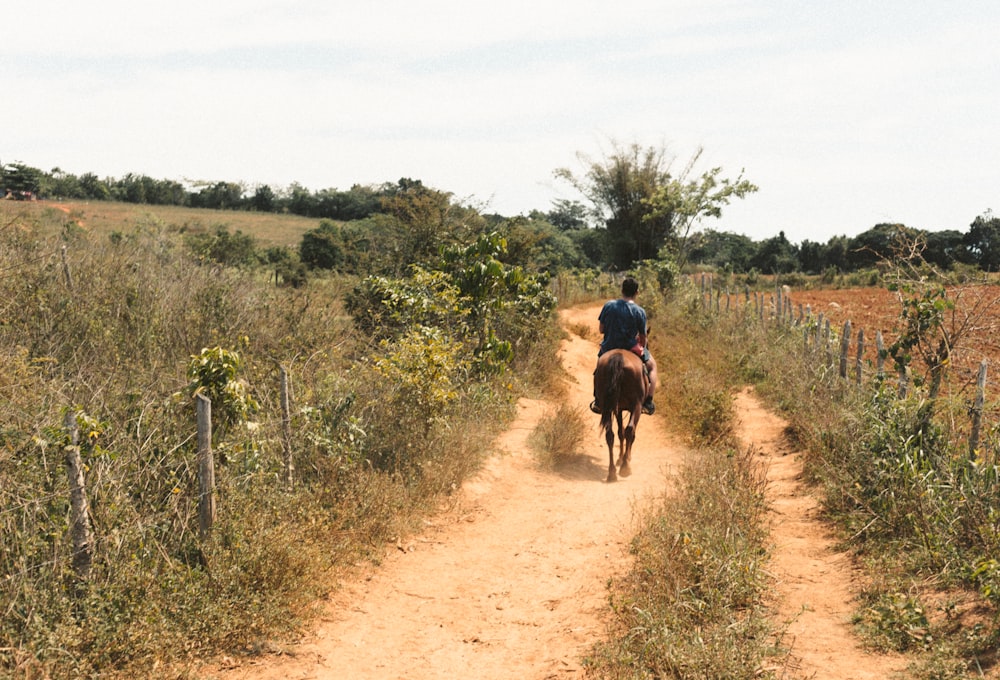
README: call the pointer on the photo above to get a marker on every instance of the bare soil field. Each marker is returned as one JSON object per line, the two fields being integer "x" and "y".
{"x": 878, "y": 309}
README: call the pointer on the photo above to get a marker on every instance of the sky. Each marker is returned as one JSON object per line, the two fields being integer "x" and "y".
{"x": 844, "y": 113}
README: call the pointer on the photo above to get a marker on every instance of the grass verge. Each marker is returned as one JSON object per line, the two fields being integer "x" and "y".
{"x": 692, "y": 605}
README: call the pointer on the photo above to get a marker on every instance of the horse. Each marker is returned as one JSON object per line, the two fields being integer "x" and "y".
{"x": 619, "y": 386}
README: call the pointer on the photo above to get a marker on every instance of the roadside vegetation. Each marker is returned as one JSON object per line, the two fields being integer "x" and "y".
{"x": 914, "y": 500}
{"x": 408, "y": 323}
{"x": 399, "y": 383}
{"x": 693, "y": 606}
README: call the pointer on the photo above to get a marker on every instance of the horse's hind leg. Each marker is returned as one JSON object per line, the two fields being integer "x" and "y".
{"x": 609, "y": 436}
{"x": 621, "y": 439}
{"x": 625, "y": 469}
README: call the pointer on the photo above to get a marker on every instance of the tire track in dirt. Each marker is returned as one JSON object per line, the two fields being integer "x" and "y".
{"x": 815, "y": 585}
{"x": 511, "y": 581}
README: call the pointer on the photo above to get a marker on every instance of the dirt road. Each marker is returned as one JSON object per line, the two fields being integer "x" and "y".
{"x": 511, "y": 581}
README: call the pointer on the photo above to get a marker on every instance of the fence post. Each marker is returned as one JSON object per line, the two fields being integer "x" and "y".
{"x": 845, "y": 345}
{"x": 977, "y": 410}
{"x": 206, "y": 468}
{"x": 286, "y": 429}
{"x": 880, "y": 359}
{"x": 861, "y": 355}
{"x": 826, "y": 343}
{"x": 79, "y": 522}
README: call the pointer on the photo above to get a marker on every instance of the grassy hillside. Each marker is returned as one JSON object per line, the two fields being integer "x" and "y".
{"x": 106, "y": 217}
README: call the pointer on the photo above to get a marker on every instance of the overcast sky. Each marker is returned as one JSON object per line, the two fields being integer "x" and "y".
{"x": 844, "y": 113}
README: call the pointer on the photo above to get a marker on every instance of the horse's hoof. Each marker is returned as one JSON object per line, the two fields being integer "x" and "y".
{"x": 625, "y": 471}
{"x": 612, "y": 477}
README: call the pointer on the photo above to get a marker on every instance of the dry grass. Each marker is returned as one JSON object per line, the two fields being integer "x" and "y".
{"x": 102, "y": 218}
{"x": 112, "y": 343}
{"x": 691, "y": 607}
{"x": 558, "y": 437}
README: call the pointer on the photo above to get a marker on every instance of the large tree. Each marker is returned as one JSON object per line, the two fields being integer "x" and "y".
{"x": 723, "y": 249}
{"x": 982, "y": 242}
{"x": 643, "y": 205}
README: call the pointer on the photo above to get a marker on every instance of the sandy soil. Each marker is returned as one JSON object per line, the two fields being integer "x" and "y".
{"x": 815, "y": 585}
{"x": 511, "y": 580}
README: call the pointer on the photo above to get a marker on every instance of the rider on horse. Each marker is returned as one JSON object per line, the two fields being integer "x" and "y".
{"x": 623, "y": 323}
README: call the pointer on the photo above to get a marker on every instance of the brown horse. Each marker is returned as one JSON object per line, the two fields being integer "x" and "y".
{"x": 619, "y": 386}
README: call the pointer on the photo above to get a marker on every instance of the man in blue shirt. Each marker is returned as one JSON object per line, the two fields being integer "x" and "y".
{"x": 623, "y": 323}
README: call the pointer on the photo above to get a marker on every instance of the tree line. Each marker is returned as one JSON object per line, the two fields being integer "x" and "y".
{"x": 636, "y": 207}
{"x": 357, "y": 202}
{"x": 977, "y": 247}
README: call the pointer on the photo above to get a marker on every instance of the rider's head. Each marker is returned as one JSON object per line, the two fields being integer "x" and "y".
{"x": 629, "y": 287}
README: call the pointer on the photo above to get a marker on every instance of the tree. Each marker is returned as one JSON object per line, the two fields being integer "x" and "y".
{"x": 263, "y": 199}
{"x": 643, "y": 206}
{"x": 18, "y": 177}
{"x": 426, "y": 220}
{"x": 219, "y": 196}
{"x": 982, "y": 242}
{"x": 322, "y": 247}
{"x": 617, "y": 187}
{"x": 775, "y": 255}
{"x": 538, "y": 245}
{"x": 686, "y": 202}
{"x": 722, "y": 249}
{"x": 567, "y": 215}
{"x": 943, "y": 248}
{"x": 880, "y": 243}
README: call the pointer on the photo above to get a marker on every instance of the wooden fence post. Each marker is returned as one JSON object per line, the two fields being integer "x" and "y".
{"x": 79, "y": 518}
{"x": 861, "y": 355}
{"x": 977, "y": 410}
{"x": 286, "y": 429}
{"x": 880, "y": 357}
{"x": 845, "y": 346}
{"x": 826, "y": 343}
{"x": 206, "y": 468}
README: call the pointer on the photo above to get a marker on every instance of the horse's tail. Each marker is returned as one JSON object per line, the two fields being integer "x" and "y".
{"x": 613, "y": 389}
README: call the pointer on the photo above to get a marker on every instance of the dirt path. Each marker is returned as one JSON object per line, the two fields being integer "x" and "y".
{"x": 511, "y": 581}
{"x": 814, "y": 584}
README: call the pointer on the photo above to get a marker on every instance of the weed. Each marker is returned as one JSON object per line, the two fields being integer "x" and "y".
{"x": 691, "y": 606}
{"x": 557, "y": 438}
